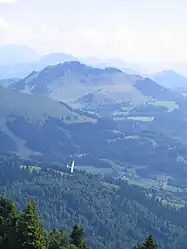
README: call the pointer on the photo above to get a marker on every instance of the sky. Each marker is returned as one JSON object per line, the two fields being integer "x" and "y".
{"x": 133, "y": 30}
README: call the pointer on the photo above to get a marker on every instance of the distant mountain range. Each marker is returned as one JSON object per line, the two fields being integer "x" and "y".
{"x": 12, "y": 54}
{"x": 82, "y": 86}
{"x": 116, "y": 63}
{"x": 19, "y": 61}
{"x": 14, "y": 57}
{"x": 72, "y": 80}
{"x": 102, "y": 93}
{"x": 95, "y": 116}
{"x": 112, "y": 123}
{"x": 170, "y": 79}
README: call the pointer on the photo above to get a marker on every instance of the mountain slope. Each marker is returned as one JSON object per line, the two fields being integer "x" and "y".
{"x": 72, "y": 80}
{"x": 19, "y": 113}
{"x": 170, "y": 79}
{"x": 23, "y": 68}
{"x": 105, "y": 92}
{"x": 114, "y": 214}
{"x": 33, "y": 107}
{"x": 8, "y": 82}
{"x": 12, "y": 54}
{"x": 37, "y": 127}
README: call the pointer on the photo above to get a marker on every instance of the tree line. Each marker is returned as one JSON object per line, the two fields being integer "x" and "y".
{"x": 114, "y": 214}
{"x": 24, "y": 230}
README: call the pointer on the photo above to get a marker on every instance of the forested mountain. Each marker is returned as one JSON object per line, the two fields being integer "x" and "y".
{"x": 105, "y": 92}
{"x": 134, "y": 139}
{"x": 113, "y": 213}
{"x": 14, "y": 103}
{"x": 93, "y": 151}
{"x": 72, "y": 80}
{"x": 127, "y": 138}
{"x": 25, "y": 230}
{"x": 43, "y": 129}
{"x": 109, "y": 93}
{"x": 36, "y": 131}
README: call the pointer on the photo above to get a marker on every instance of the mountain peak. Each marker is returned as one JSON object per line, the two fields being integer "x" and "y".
{"x": 112, "y": 70}
{"x": 168, "y": 72}
{"x": 170, "y": 79}
{"x": 56, "y": 58}
{"x": 75, "y": 67}
{"x": 14, "y": 54}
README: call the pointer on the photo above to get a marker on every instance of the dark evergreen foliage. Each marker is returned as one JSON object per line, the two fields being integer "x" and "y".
{"x": 25, "y": 231}
{"x": 113, "y": 213}
{"x": 148, "y": 244}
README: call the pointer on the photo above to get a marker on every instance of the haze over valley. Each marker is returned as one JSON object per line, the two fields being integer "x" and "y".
{"x": 102, "y": 85}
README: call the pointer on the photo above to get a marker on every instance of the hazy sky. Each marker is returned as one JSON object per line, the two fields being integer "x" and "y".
{"x": 134, "y": 30}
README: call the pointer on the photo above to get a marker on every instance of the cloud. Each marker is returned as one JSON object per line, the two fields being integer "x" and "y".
{"x": 112, "y": 41}
{"x": 120, "y": 41}
{"x": 7, "y": 1}
{"x": 11, "y": 34}
{"x": 3, "y": 23}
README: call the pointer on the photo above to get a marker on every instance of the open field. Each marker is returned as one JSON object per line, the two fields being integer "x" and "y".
{"x": 170, "y": 105}
{"x": 94, "y": 170}
{"x": 141, "y": 118}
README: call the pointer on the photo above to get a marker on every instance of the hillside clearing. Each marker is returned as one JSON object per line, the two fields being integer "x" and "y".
{"x": 170, "y": 105}
{"x": 141, "y": 118}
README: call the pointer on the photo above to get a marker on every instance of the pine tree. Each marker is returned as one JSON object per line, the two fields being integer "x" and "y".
{"x": 9, "y": 217}
{"x": 31, "y": 231}
{"x": 58, "y": 239}
{"x": 148, "y": 244}
{"x": 77, "y": 237}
